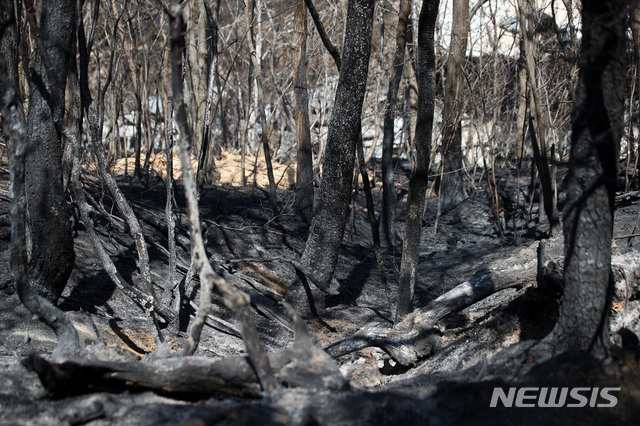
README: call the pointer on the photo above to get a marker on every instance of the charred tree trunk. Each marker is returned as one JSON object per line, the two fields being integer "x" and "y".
{"x": 327, "y": 229}
{"x": 15, "y": 130}
{"x": 304, "y": 171}
{"x": 632, "y": 160}
{"x": 598, "y": 121}
{"x": 415, "y": 336}
{"x": 420, "y": 157}
{"x": 302, "y": 364}
{"x": 452, "y": 186}
{"x": 196, "y": 66}
{"x": 389, "y": 196}
{"x": 375, "y": 228}
{"x": 51, "y": 245}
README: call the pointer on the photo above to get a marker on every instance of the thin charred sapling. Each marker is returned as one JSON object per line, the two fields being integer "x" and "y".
{"x": 389, "y": 196}
{"x": 420, "y": 152}
{"x": 304, "y": 171}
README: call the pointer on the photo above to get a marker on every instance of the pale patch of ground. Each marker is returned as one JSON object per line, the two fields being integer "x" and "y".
{"x": 229, "y": 166}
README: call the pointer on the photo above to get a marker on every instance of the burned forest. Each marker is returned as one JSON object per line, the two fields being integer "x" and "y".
{"x": 319, "y": 212}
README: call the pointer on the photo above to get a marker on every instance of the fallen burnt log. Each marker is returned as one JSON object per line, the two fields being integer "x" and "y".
{"x": 303, "y": 364}
{"x": 185, "y": 376}
{"x": 416, "y": 337}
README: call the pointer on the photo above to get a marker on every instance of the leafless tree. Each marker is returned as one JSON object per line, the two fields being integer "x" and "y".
{"x": 264, "y": 133}
{"x": 235, "y": 299}
{"x": 452, "y": 186}
{"x": 327, "y": 229}
{"x": 536, "y": 123}
{"x": 420, "y": 153}
{"x": 206, "y": 160}
{"x": 51, "y": 254}
{"x": 304, "y": 176}
{"x": 598, "y": 127}
{"x": 388, "y": 178}
{"x": 40, "y": 299}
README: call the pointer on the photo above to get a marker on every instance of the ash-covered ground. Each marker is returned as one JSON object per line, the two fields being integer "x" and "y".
{"x": 453, "y": 386}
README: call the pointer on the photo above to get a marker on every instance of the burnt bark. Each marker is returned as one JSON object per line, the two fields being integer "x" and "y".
{"x": 168, "y": 212}
{"x": 327, "y": 229}
{"x": 51, "y": 254}
{"x": 9, "y": 48}
{"x": 9, "y": 64}
{"x": 597, "y": 125}
{"x": 361, "y": 165}
{"x": 632, "y": 142}
{"x": 521, "y": 114}
{"x": 420, "y": 157}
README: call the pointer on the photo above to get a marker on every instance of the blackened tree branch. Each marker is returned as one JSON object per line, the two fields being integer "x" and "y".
{"x": 335, "y": 54}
